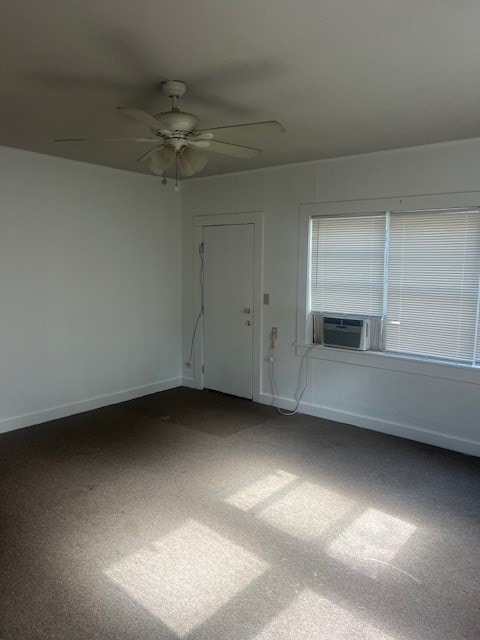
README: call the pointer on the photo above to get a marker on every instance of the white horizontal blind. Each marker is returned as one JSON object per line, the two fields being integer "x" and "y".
{"x": 433, "y": 279}
{"x": 347, "y": 264}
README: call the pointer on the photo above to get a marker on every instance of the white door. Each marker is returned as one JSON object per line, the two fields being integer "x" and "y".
{"x": 229, "y": 314}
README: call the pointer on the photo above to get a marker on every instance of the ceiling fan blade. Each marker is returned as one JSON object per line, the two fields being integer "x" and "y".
{"x": 150, "y": 152}
{"x": 107, "y": 139}
{"x": 268, "y": 126}
{"x": 203, "y": 135}
{"x": 191, "y": 162}
{"x": 146, "y": 118}
{"x": 228, "y": 149}
{"x": 201, "y": 144}
{"x": 161, "y": 160}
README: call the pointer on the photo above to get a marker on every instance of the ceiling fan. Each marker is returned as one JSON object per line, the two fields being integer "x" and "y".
{"x": 177, "y": 140}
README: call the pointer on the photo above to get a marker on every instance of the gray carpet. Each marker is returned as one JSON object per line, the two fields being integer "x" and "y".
{"x": 190, "y": 514}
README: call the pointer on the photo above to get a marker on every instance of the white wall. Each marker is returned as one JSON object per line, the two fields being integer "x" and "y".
{"x": 427, "y": 407}
{"x": 90, "y": 287}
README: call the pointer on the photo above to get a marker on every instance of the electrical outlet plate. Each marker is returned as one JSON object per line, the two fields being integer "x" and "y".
{"x": 274, "y": 333}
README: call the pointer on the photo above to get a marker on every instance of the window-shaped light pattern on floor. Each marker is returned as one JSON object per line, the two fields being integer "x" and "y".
{"x": 371, "y": 542}
{"x": 367, "y": 540}
{"x": 260, "y": 490}
{"x": 186, "y": 576}
{"x": 306, "y": 511}
{"x": 313, "y": 617}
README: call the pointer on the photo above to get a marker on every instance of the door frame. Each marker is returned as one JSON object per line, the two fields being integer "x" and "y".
{"x": 199, "y": 222}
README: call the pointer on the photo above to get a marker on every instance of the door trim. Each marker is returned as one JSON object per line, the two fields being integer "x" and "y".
{"x": 199, "y": 222}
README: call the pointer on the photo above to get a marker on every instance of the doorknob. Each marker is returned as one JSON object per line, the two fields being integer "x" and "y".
{"x": 248, "y": 323}
{"x": 247, "y": 310}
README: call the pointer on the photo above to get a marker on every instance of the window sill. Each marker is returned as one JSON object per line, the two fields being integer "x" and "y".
{"x": 391, "y": 362}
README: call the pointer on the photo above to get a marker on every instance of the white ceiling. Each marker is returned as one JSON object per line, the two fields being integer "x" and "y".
{"x": 343, "y": 76}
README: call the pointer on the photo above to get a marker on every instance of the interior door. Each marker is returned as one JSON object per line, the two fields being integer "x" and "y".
{"x": 229, "y": 314}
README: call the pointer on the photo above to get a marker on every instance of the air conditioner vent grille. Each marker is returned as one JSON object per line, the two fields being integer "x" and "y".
{"x": 340, "y": 331}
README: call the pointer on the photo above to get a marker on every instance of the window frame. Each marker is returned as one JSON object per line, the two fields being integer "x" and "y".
{"x": 377, "y": 359}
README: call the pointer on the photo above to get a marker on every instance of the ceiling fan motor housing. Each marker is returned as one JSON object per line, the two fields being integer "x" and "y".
{"x": 178, "y": 121}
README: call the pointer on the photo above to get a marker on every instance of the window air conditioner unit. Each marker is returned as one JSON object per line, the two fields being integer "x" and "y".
{"x": 340, "y": 331}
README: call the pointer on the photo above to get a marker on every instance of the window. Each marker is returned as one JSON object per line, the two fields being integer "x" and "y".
{"x": 419, "y": 271}
{"x": 347, "y": 265}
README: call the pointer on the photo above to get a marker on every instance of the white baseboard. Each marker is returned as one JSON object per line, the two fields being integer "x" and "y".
{"x": 427, "y": 433}
{"x": 190, "y": 383}
{"x": 37, "y": 417}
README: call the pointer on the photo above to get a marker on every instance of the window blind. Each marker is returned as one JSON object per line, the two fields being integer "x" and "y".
{"x": 347, "y": 264}
{"x": 433, "y": 284}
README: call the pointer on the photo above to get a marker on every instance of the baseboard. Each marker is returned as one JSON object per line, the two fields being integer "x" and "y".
{"x": 190, "y": 383}
{"x": 37, "y": 417}
{"x": 427, "y": 433}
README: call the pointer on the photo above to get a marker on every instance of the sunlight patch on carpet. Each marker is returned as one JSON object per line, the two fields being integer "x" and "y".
{"x": 371, "y": 542}
{"x": 306, "y": 511}
{"x": 260, "y": 490}
{"x": 188, "y": 575}
{"x": 313, "y": 617}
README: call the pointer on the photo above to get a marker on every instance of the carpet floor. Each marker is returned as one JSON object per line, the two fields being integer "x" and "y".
{"x": 190, "y": 514}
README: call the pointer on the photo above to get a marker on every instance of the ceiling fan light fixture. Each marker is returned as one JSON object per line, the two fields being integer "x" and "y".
{"x": 184, "y": 168}
{"x": 160, "y": 161}
{"x": 196, "y": 160}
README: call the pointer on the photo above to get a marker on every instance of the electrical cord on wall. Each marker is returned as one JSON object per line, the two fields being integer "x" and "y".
{"x": 202, "y": 301}
{"x": 273, "y": 381}
{"x": 299, "y": 393}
